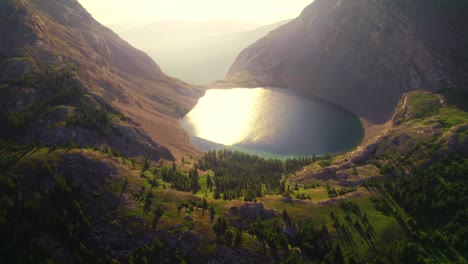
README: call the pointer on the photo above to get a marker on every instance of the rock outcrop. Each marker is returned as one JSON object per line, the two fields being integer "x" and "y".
{"x": 361, "y": 54}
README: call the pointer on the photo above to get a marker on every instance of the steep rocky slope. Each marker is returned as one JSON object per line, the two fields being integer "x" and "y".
{"x": 46, "y": 46}
{"x": 361, "y": 54}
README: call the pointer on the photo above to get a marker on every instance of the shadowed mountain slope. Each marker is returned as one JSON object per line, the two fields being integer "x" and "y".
{"x": 361, "y": 54}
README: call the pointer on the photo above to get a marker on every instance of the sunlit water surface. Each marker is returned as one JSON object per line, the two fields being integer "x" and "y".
{"x": 271, "y": 122}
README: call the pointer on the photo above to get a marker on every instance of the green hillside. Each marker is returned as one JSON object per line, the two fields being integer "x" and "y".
{"x": 66, "y": 203}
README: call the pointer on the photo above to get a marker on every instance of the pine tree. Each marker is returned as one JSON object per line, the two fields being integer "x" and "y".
{"x": 212, "y": 214}
{"x": 209, "y": 183}
{"x": 238, "y": 239}
{"x": 195, "y": 185}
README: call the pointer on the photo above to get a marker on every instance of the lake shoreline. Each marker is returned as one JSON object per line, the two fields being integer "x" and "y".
{"x": 371, "y": 129}
{"x": 285, "y": 123}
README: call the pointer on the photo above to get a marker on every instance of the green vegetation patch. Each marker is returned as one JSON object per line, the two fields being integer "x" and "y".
{"x": 91, "y": 116}
{"x": 434, "y": 209}
{"x": 39, "y": 157}
{"x": 450, "y": 116}
{"x": 422, "y": 104}
{"x": 449, "y": 110}
{"x": 315, "y": 194}
{"x": 52, "y": 88}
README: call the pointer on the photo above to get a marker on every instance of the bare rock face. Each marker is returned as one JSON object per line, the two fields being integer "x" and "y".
{"x": 361, "y": 54}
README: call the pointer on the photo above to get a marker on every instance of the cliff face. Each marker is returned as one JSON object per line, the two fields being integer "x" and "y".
{"x": 362, "y": 54}
{"x": 40, "y": 38}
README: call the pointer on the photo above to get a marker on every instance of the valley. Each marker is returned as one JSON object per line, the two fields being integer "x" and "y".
{"x": 95, "y": 166}
{"x": 235, "y": 207}
{"x": 195, "y": 52}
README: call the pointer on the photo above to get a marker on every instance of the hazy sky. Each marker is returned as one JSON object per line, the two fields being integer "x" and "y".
{"x": 257, "y": 11}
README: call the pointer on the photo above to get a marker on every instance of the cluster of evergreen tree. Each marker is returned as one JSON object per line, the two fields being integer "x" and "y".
{"x": 58, "y": 86}
{"x": 238, "y": 174}
{"x": 53, "y": 87}
{"x": 225, "y": 234}
{"x": 434, "y": 226}
{"x": 294, "y": 164}
{"x": 436, "y": 198}
{"x": 41, "y": 202}
{"x": 30, "y": 211}
{"x": 269, "y": 233}
{"x": 314, "y": 241}
{"x": 93, "y": 115}
{"x": 181, "y": 181}
{"x": 89, "y": 117}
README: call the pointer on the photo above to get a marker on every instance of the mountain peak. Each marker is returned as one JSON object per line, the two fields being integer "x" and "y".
{"x": 362, "y": 55}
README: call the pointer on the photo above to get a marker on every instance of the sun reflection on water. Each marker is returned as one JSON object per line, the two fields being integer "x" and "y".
{"x": 225, "y": 120}
{"x": 270, "y": 120}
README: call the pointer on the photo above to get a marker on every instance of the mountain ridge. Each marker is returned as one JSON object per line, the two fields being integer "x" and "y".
{"x": 62, "y": 35}
{"x": 379, "y": 50}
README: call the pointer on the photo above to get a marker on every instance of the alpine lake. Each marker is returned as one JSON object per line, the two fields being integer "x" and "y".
{"x": 271, "y": 122}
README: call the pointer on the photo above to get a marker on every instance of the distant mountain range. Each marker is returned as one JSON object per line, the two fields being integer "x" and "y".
{"x": 196, "y": 52}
